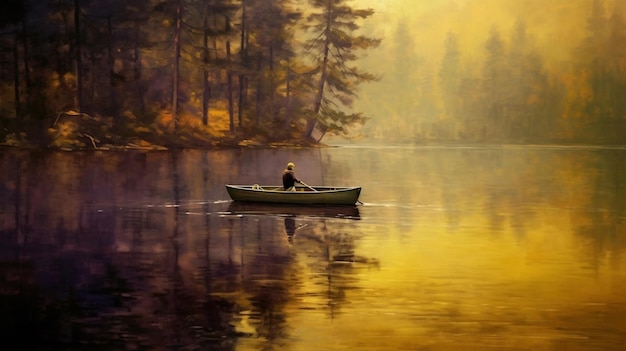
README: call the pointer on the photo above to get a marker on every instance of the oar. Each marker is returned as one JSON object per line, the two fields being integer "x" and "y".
{"x": 303, "y": 183}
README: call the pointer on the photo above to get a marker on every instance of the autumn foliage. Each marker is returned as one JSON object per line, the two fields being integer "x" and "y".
{"x": 187, "y": 73}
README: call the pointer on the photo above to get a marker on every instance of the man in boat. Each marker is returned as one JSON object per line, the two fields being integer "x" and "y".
{"x": 289, "y": 178}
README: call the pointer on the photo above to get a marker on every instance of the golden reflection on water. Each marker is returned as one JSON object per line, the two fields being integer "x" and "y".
{"x": 514, "y": 259}
{"x": 468, "y": 289}
{"x": 454, "y": 249}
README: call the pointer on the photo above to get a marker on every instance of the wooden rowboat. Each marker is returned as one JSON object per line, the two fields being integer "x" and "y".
{"x": 319, "y": 195}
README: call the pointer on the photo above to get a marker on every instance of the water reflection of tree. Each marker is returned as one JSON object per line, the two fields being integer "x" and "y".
{"x": 143, "y": 297}
{"x": 514, "y": 186}
{"x": 65, "y": 284}
{"x": 332, "y": 251}
{"x": 268, "y": 279}
{"x": 269, "y": 297}
{"x": 603, "y": 220}
{"x": 196, "y": 317}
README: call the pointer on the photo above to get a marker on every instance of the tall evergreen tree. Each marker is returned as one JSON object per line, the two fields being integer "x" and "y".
{"x": 215, "y": 25}
{"x": 402, "y": 97}
{"x": 617, "y": 64}
{"x": 594, "y": 56}
{"x": 519, "y": 78}
{"x": 269, "y": 39}
{"x": 333, "y": 48}
{"x": 178, "y": 24}
{"x": 78, "y": 52}
{"x": 532, "y": 100}
{"x": 449, "y": 74}
{"x": 11, "y": 17}
{"x": 496, "y": 87}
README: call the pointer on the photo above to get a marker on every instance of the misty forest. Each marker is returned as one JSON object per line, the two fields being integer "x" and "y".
{"x": 509, "y": 87}
{"x": 91, "y": 74}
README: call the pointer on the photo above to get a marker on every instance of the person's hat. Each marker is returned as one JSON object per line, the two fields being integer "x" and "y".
{"x": 290, "y": 165}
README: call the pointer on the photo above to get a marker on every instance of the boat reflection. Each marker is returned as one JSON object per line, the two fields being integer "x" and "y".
{"x": 290, "y": 227}
{"x": 263, "y": 209}
{"x": 290, "y": 213}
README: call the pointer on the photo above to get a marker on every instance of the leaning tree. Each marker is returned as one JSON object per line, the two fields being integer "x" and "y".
{"x": 333, "y": 48}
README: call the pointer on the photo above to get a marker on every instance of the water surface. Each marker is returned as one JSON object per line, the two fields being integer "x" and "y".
{"x": 454, "y": 248}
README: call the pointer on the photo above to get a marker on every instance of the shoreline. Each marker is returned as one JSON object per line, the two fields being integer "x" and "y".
{"x": 217, "y": 145}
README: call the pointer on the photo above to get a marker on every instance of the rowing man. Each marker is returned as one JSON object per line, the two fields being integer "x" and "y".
{"x": 289, "y": 178}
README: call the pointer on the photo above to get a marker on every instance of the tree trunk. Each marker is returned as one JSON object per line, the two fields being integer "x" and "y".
{"x": 243, "y": 50}
{"x": 243, "y": 82}
{"x": 93, "y": 77}
{"x": 229, "y": 77}
{"x": 206, "y": 87}
{"x": 137, "y": 69}
{"x": 288, "y": 97}
{"x": 271, "y": 63}
{"x": 259, "y": 85}
{"x": 179, "y": 13}
{"x": 79, "y": 54}
{"x": 111, "y": 63}
{"x": 317, "y": 105}
{"x": 16, "y": 78}
{"x": 26, "y": 62}
{"x": 206, "y": 97}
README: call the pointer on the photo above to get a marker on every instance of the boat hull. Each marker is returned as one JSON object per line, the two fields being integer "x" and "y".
{"x": 302, "y": 195}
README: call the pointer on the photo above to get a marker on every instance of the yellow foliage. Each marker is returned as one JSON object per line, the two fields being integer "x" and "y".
{"x": 55, "y": 83}
{"x": 128, "y": 115}
{"x": 66, "y": 135}
{"x": 70, "y": 80}
{"x": 15, "y": 139}
{"x": 165, "y": 119}
{"x": 191, "y": 121}
{"x": 578, "y": 92}
{"x": 142, "y": 130}
{"x": 143, "y": 143}
{"x": 219, "y": 123}
{"x": 586, "y": 93}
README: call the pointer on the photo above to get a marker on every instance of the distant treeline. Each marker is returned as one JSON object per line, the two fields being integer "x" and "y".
{"x": 511, "y": 93}
{"x": 143, "y": 62}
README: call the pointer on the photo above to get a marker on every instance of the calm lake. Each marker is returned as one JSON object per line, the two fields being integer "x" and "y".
{"x": 453, "y": 248}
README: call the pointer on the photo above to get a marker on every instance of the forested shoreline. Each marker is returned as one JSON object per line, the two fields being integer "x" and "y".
{"x": 81, "y": 74}
{"x": 84, "y": 74}
{"x": 507, "y": 87}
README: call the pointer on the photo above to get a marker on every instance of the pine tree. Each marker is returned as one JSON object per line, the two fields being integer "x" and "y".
{"x": 269, "y": 39}
{"x": 449, "y": 74}
{"x": 332, "y": 48}
{"x": 496, "y": 86}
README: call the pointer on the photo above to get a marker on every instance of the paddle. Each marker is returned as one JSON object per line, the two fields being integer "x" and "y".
{"x": 303, "y": 183}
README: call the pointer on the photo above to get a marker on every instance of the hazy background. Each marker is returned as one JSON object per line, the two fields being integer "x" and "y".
{"x": 567, "y": 73}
